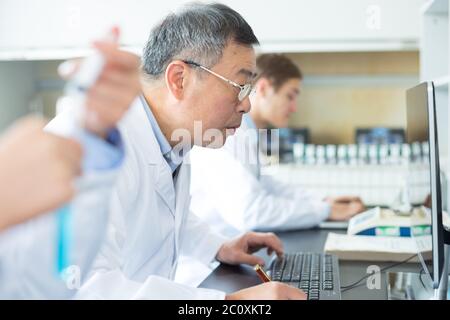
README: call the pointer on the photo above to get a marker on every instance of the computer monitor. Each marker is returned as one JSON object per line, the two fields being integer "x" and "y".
{"x": 422, "y": 128}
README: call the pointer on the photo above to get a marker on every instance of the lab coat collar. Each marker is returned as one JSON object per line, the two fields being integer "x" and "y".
{"x": 173, "y": 157}
{"x": 138, "y": 128}
{"x": 164, "y": 145}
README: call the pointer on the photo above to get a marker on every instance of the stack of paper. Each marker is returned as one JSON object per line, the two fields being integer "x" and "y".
{"x": 368, "y": 248}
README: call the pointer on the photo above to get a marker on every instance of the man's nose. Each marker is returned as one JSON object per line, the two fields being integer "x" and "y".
{"x": 293, "y": 107}
{"x": 244, "y": 106}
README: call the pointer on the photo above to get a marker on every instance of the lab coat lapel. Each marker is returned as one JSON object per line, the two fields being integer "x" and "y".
{"x": 183, "y": 196}
{"x": 182, "y": 206}
{"x": 165, "y": 187}
{"x": 141, "y": 133}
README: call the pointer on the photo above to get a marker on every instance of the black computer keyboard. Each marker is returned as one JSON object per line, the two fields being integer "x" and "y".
{"x": 316, "y": 274}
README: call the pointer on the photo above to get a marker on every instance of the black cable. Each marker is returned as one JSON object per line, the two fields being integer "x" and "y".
{"x": 356, "y": 284}
{"x": 420, "y": 278}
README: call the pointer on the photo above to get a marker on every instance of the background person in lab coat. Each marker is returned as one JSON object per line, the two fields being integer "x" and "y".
{"x": 37, "y": 175}
{"x": 227, "y": 188}
{"x": 196, "y": 67}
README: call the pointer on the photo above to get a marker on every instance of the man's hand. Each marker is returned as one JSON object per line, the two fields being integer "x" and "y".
{"x": 240, "y": 250}
{"x": 36, "y": 171}
{"x": 344, "y": 207}
{"x": 268, "y": 291}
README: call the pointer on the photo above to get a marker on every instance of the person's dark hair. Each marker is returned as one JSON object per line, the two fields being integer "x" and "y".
{"x": 198, "y": 32}
{"x": 277, "y": 68}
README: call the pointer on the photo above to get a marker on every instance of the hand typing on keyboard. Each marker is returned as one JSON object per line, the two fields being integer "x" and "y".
{"x": 240, "y": 250}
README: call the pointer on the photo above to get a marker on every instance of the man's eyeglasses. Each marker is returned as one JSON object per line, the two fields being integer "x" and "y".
{"x": 245, "y": 90}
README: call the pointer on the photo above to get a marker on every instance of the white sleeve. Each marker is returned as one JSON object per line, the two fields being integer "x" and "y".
{"x": 247, "y": 203}
{"x": 284, "y": 189}
{"x": 109, "y": 281}
{"x": 114, "y": 285}
{"x": 199, "y": 241}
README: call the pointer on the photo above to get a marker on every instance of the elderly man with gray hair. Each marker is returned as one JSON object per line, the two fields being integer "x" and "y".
{"x": 197, "y": 72}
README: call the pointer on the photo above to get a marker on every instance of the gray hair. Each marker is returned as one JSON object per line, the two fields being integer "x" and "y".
{"x": 198, "y": 32}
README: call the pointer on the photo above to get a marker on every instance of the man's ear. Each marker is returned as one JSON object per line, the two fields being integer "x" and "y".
{"x": 175, "y": 78}
{"x": 262, "y": 87}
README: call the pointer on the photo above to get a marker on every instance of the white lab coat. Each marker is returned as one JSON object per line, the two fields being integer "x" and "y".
{"x": 228, "y": 193}
{"x": 27, "y": 251}
{"x": 150, "y": 225}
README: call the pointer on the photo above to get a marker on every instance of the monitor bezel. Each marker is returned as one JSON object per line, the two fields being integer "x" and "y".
{"x": 437, "y": 228}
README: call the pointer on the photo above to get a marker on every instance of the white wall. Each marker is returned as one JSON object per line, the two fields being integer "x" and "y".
{"x": 16, "y": 90}
{"x": 308, "y": 24}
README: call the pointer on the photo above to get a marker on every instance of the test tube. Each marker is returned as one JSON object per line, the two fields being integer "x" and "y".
{"x": 373, "y": 153}
{"x": 394, "y": 153}
{"x": 298, "y": 150}
{"x": 383, "y": 153}
{"x": 363, "y": 152}
{"x": 331, "y": 153}
{"x": 320, "y": 154}
{"x": 342, "y": 154}
{"x": 406, "y": 153}
{"x": 352, "y": 153}
{"x": 310, "y": 153}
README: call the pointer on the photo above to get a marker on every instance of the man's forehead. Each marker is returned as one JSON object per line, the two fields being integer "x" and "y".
{"x": 246, "y": 66}
{"x": 242, "y": 59}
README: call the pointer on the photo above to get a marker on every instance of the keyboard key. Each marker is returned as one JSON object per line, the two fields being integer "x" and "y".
{"x": 277, "y": 270}
{"x": 327, "y": 286}
{"x": 304, "y": 285}
{"x": 313, "y": 296}
{"x": 328, "y": 276}
{"x": 287, "y": 272}
{"x": 292, "y": 284}
{"x": 296, "y": 270}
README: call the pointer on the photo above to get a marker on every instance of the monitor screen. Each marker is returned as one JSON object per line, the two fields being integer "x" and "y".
{"x": 424, "y": 185}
